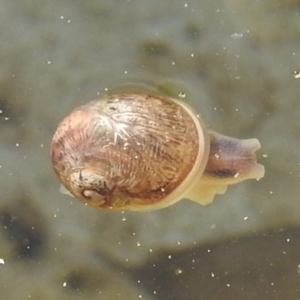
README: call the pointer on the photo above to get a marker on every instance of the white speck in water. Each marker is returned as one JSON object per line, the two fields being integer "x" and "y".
{"x": 138, "y": 244}
{"x": 265, "y": 155}
{"x": 125, "y": 72}
{"x": 62, "y": 17}
{"x": 271, "y": 192}
{"x": 228, "y": 285}
{"x": 64, "y": 284}
{"x": 217, "y": 156}
{"x": 185, "y": 5}
{"x": 298, "y": 269}
{"x": 169, "y": 256}
{"x": 246, "y": 218}
{"x": 173, "y": 63}
{"x": 237, "y": 35}
{"x": 2, "y": 262}
{"x": 162, "y": 189}
{"x": 192, "y": 54}
{"x": 150, "y": 250}
{"x": 48, "y": 62}
{"x": 212, "y": 275}
{"x": 178, "y": 271}
{"x": 288, "y": 240}
{"x": 17, "y": 144}
{"x": 123, "y": 219}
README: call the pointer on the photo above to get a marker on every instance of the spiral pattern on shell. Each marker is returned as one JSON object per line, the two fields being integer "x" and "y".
{"x": 140, "y": 146}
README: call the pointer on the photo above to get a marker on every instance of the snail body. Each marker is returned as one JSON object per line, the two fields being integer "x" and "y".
{"x": 143, "y": 151}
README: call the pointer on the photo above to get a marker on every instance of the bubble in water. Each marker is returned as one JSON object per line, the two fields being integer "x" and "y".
{"x": 182, "y": 95}
{"x": 296, "y": 74}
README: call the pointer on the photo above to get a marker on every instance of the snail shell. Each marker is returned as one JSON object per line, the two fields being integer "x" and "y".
{"x": 144, "y": 152}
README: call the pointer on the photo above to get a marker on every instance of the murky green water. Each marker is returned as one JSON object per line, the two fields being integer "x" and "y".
{"x": 238, "y": 59}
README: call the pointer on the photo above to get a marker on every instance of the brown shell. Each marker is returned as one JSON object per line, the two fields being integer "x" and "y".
{"x": 140, "y": 146}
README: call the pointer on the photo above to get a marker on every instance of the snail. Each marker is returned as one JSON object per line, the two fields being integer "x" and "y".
{"x": 143, "y": 151}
